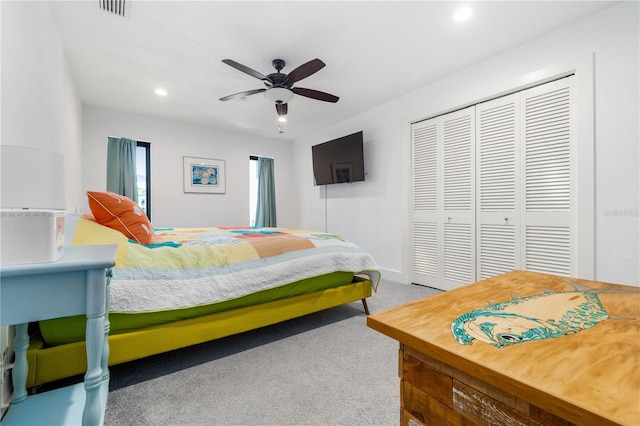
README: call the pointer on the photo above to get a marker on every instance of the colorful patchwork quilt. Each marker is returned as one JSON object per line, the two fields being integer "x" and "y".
{"x": 186, "y": 267}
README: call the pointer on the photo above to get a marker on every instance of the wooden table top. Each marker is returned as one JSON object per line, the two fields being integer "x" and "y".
{"x": 588, "y": 376}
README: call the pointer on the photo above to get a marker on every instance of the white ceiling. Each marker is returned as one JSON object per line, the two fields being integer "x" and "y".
{"x": 374, "y": 51}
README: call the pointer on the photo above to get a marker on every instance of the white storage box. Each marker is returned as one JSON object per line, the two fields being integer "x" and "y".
{"x": 31, "y": 236}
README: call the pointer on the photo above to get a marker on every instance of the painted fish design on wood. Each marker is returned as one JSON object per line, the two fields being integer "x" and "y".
{"x": 542, "y": 316}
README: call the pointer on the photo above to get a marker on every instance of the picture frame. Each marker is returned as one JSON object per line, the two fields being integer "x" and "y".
{"x": 204, "y": 175}
{"x": 342, "y": 172}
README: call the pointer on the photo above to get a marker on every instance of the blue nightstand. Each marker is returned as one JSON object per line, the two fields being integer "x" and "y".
{"x": 76, "y": 284}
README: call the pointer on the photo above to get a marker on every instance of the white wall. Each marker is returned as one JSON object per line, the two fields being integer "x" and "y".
{"x": 41, "y": 109}
{"x": 170, "y": 141}
{"x": 375, "y": 213}
{"x": 40, "y": 106}
{"x": 371, "y": 213}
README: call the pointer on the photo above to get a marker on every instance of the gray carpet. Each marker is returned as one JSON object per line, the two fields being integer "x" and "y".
{"x": 326, "y": 368}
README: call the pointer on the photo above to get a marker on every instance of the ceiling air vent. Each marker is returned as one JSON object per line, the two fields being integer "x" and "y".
{"x": 117, "y": 7}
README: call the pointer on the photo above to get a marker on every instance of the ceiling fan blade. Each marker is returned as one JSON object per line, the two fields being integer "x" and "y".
{"x": 245, "y": 69}
{"x": 282, "y": 109}
{"x": 315, "y": 94}
{"x": 305, "y": 70}
{"x": 242, "y": 94}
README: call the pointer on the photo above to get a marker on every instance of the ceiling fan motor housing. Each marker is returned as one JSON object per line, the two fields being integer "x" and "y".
{"x": 278, "y": 64}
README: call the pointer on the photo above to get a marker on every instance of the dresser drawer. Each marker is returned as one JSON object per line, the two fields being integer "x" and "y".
{"x": 434, "y": 393}
{"x": 428, "y": 379}
{"x": 407, "y": 419}
{"x": 418, "y": 408}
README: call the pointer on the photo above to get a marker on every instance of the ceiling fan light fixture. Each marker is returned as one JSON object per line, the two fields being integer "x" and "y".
{"x": 278, "y": 94}
{"x": 282, "y": 118}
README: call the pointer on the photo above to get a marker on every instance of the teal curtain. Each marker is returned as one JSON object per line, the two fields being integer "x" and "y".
{"x": 266, "y": 205}
{"x": 121, "y": 167}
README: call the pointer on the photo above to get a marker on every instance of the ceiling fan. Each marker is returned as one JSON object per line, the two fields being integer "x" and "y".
{"x": 279, "y": 86}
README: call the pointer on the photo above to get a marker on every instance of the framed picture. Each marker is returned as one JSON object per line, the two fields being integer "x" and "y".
{"x": 342, "y": 172}
{"x": 204, "y": 175}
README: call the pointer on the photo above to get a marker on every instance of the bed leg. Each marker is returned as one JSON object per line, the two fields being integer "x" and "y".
{"x": 366, "y": 307}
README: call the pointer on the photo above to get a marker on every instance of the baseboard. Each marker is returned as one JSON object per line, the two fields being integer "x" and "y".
{"x": 396, "y": 276}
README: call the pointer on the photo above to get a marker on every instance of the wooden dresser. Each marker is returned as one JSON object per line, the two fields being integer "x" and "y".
{"x": 589, "y": 377}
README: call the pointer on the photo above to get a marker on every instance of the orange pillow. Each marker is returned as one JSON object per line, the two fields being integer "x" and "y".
{"x": 122, "y": 214}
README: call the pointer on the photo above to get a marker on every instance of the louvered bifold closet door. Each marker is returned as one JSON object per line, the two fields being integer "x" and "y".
{"x": 549, "y": 178}
{"x": 443, "y": 200}
{"x": 498, "y": 180}
{"x": 458, "y": 189}
{"x": 426, "y": 210}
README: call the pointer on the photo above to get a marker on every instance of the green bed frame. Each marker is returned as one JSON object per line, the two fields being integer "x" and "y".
{"x": 48, "y": 364}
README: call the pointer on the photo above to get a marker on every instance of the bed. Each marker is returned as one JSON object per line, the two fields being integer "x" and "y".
{"x": 190, "y": 286}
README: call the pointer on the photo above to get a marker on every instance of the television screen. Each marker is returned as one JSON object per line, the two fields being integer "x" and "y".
{"x": 339, "y": 161}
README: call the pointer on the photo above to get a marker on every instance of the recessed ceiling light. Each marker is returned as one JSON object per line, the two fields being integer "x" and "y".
{"x": 462, "y": 14}
{"x": 161, "y": 92}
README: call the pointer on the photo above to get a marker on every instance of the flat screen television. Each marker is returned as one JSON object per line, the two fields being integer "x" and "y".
{"x": 339, "y": 161}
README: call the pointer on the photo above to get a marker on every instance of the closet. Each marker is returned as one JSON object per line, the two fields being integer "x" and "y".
{"x": 494, "y": 188}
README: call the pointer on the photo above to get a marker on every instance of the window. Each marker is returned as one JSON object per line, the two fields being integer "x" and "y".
{"x": 253, "y": 189}
{"x": 262, "y": 192}
{"x": 143, "y": 176}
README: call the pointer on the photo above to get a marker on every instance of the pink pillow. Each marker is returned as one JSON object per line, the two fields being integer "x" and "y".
{"x": 122, "y": 214}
